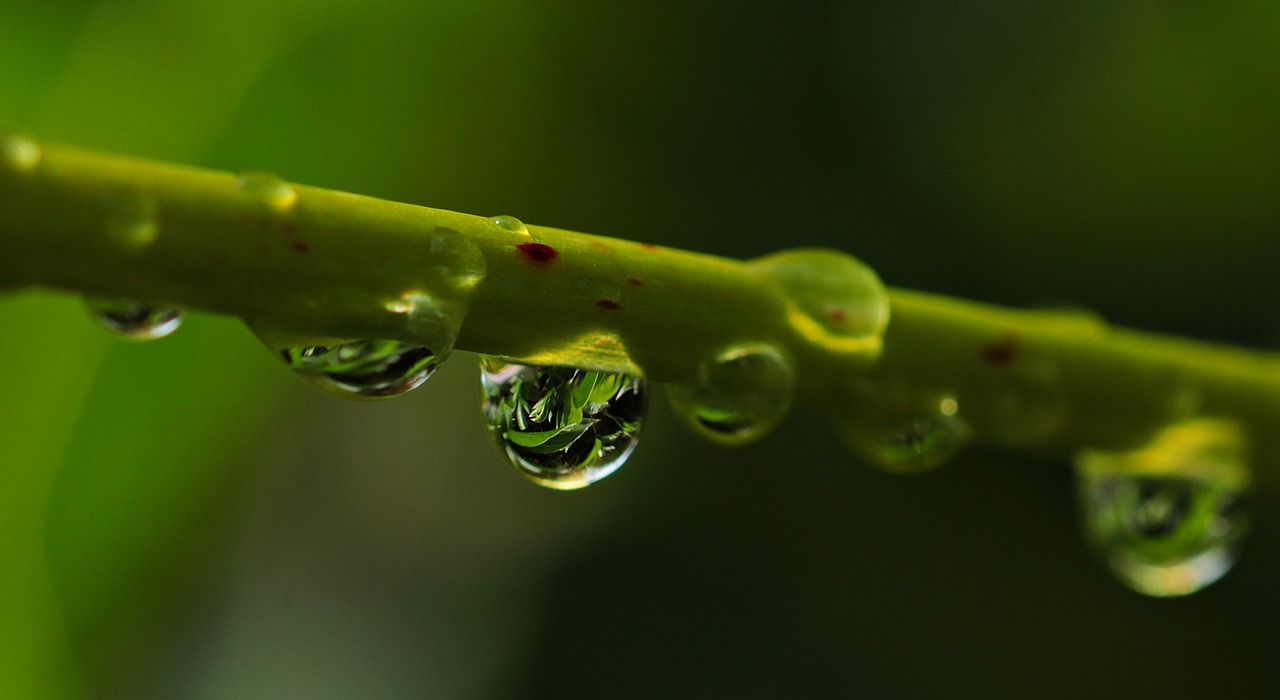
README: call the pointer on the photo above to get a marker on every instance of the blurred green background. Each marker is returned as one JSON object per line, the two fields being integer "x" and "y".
{"x": 185, "y": 520}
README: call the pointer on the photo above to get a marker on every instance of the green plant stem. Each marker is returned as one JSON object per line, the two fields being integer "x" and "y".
{"x": 333, "y": 264}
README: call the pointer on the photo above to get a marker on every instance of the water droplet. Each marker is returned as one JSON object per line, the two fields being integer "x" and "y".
{"x": 134, "y": 221}
{"x": 903, "y": 432}
{"x": 269, "y": 189}
{"x": 837, "y": 301}
{"x": 19, "y": 152}
{"x": 133, "y": 319}
{"x": 1168, "y": 518}
{"x": 511, "y": 224}
{"x": 562, "y": 427}
{"x": 740, "y": 395}
{"x": 363, "y": 369}
{"x": 455, "y": 260}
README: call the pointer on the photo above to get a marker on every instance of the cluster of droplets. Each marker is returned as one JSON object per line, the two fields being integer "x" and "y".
{"x": 1166, "y": 519}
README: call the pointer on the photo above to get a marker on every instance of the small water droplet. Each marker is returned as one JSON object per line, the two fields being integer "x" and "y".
{"x": 562, "y": 427}
{"x": 1168, "y": 518}
{"x": 362, "y": 369}
{"x": 741, "y": 394}
{"x": 455, "y": 259}
{"x": 837, "y": 301}
{"x": 511, "y": 224}
{"x": 133, "y": 319}
{"x": 134, "y": 221}
{"x": 269, "y": 189}
{"x": 905, "y": 433}
{"x": 19, "y": 152}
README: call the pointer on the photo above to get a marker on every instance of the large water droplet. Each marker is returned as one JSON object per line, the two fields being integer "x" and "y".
{"x": 19, "y": 152}
{"x": 836, "y": 300}
{"x": 511, "y": 224}
{"x": 1168, "y": 518}
{"x": 562, "y": 427}
{"x": 268, "y": 189}
{"x": 363, "y": 369}
{"x": 455, "y": 260}
{"x": 740, "y": 394}
{"x": 904, "y": 432}
{"x": 134, "y": 221}
{"x": 133, "y": 319}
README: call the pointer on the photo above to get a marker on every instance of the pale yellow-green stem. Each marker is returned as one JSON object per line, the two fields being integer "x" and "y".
{"x": 321, "y": 263}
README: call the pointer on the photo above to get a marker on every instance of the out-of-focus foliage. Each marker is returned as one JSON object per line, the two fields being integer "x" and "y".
{"x": 186, "y": 520}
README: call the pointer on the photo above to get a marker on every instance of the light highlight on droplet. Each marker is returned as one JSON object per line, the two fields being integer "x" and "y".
{"x": 562, "y": 427}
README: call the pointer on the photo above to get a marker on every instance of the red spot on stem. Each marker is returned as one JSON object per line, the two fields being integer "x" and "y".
{"x": 609, "y": 305}
{"x": 1003, "y": 352}
{"x": 300, "y": 247}
{"x": 648, "y": 246}
{"x": 538, "y": 252}
{"x": 837, "y": 315}
{"x": 634, "y": 282}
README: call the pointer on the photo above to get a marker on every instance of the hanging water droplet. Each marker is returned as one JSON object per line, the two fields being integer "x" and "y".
{"x": 836, "y": 300}
{"x": 562, "y": 427}
{"x": 133, "y": 319}
{"x": 1168, "y": 518}
{"x": 511, "y": 224}
{"x": 455, "y": 260}
{"x": 19, "y": 152}
{"x": 903, "y": 432}
{"x": 740, "y": 394}
{"x": 134, "y": 221}
{"x": 269, "y": 189}
{"x": 363, "y": 369}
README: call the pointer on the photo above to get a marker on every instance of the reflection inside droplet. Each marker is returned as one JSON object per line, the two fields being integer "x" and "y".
{"x": 562, "y": 427}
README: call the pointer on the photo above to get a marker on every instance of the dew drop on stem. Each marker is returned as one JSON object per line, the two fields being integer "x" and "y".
{"x": 454, "y": 260}
{"x": 1168, "y": 519}
{"x": 134, "y": 220}
{"x": 134, "y": 319}
{"x": 363, "y": 369}
{"x": 268, "y": 189}
{"x": 835, "y": 300}
{"x": 510, "y": 224}
{"x": 562, "y": 427}
{"x": 903, "y": 431}
{"x": 19, "y": 153}
{"x": 740, "y": 394}
{"x": 371, "y": 368}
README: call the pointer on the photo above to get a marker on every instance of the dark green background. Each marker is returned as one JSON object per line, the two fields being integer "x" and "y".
{"x": 212, "y": 528}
